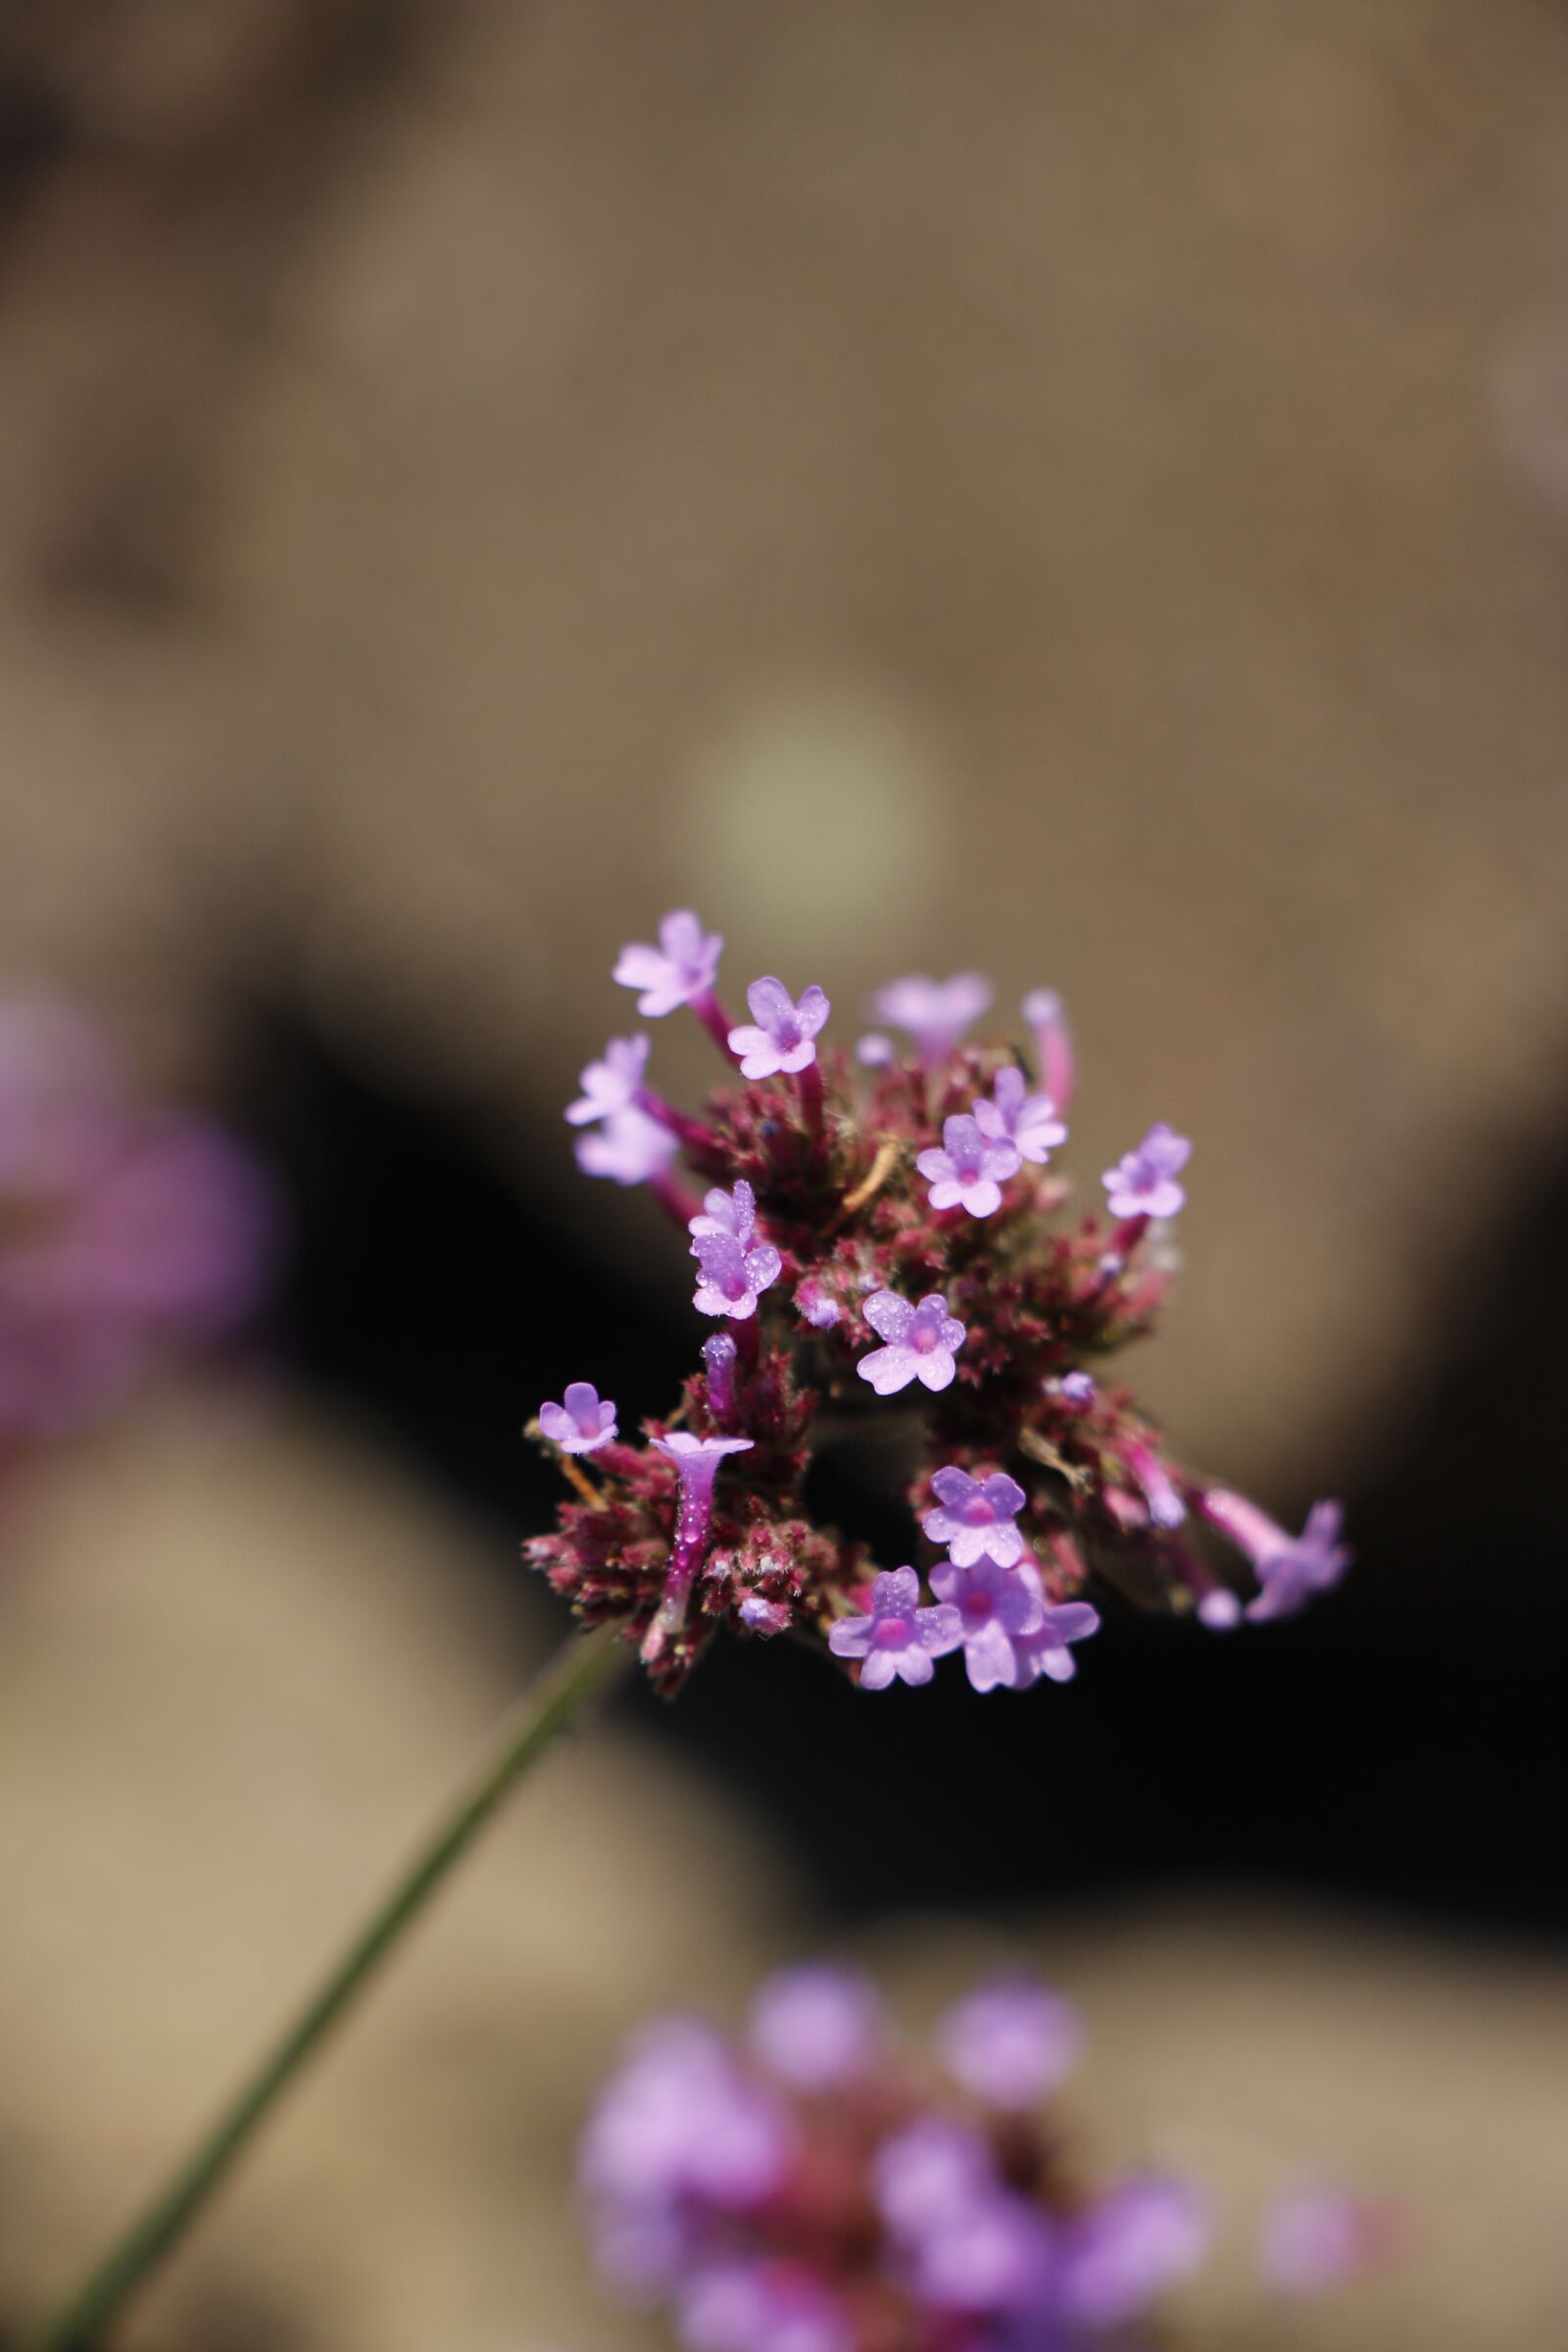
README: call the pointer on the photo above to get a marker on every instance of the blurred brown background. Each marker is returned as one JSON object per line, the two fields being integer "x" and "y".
{"x": 1064, "y": 486}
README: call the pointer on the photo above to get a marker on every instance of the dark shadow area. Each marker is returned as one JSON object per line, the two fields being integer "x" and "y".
{"x": 1401, "y": 1745}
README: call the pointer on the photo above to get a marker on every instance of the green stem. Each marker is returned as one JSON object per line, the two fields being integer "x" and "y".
{"x": 545, "y": 1708}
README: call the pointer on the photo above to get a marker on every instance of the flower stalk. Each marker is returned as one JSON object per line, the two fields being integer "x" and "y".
{"x": 586, "y": 1666}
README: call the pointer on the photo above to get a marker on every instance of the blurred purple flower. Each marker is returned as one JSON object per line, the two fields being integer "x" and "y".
{"x": 1143, "y": 1183}
{"x": 1130, "y": 2246}
{"x": 934, "y": 1012}
{"x": 610, "y": 1083}
{"x": 1291, "y": 1570}
{"x": 683, "y": 966}
{"x": 125, "y": 1233}
{"x": 629, "y": 1147}
{"x": 762, "y": 2307}
{"x": 1010, "y": 2043}
{"x": 1042, "y": 1010}
{"x": 933, "y": 2166}
{"x": 1317, "y": 2235}
{"x": 816, "y": 2028}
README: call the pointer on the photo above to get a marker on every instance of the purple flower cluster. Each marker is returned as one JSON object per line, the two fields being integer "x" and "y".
{"x": 129, "y": 1234}
{"x": 890, "y": 1222}
{"x": 816, "y": 2188}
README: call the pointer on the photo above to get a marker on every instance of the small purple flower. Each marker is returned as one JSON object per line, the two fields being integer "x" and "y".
{"x": 921, "y": 1343}
{"x": 762, "y": 2307}
{"x": 696, "y": 1459}
{"x": 678, "y": 2121}
{"x": 1046, "y": 1651}
{"x": 682, "y": 967}
{"x": 976, "y": 1515}
{"x": 1313, "y": 1563}
{"x": 734, "y": 1213}
{"x": 899, "y": 1637}
{"x": 1016, "y": 1116}
{"x": 1291, "y": 1570}
{"x": 613, "y": 1084}
{"x": 581, "y": 1421}
{"x": 816, "y": 2028}
{"x": 1220, "y": 1609}
{"x": 1010, "y": 2043}
{"x": 929, "y": 2170}
{"x": 1130, "y": 2246}
{"x": 936, "y": 1012}
{"x": 874, "y": 1052}
{"x": 1316, "y": 2237}
{"x": 629, "y": 1147}
{"x": 994, "y": 2255}
{"x": 784, "y": 1038}
{"x": 964, "y": 1172}
{"x": 1077, "y": 1388}
{"x": 731, "y": 1278}
{"x": 1042, "y": 1010}
{"x": 1143, "y": 1183}
{"x": 995, "y": 1606}
{"x": 816, "y": 1305}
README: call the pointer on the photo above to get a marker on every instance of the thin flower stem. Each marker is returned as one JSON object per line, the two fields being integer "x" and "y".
{"x": 581, "y": 1668}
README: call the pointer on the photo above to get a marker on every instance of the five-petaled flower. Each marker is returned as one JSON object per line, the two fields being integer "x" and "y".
{"x": 919, "y": 1343}
{"x": 967, "y": 1171}
{"x": 934, "y": 1012}
{"x": 613, "y": 1084}
{"x": 682, "y": 967}
{"x": 996, "y": 1608}
{"x": 732, "y": 1276}
{"x": 783, "y": 1038}
{"x": 1143, "y": 1183}
{"x": 581, "y": 1421}
{"x": 1016, "y": 1116}
{"x": 898, "y": 1637}
{"x": 629, "y": 1147}
{"x": 976, "y": 1515}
